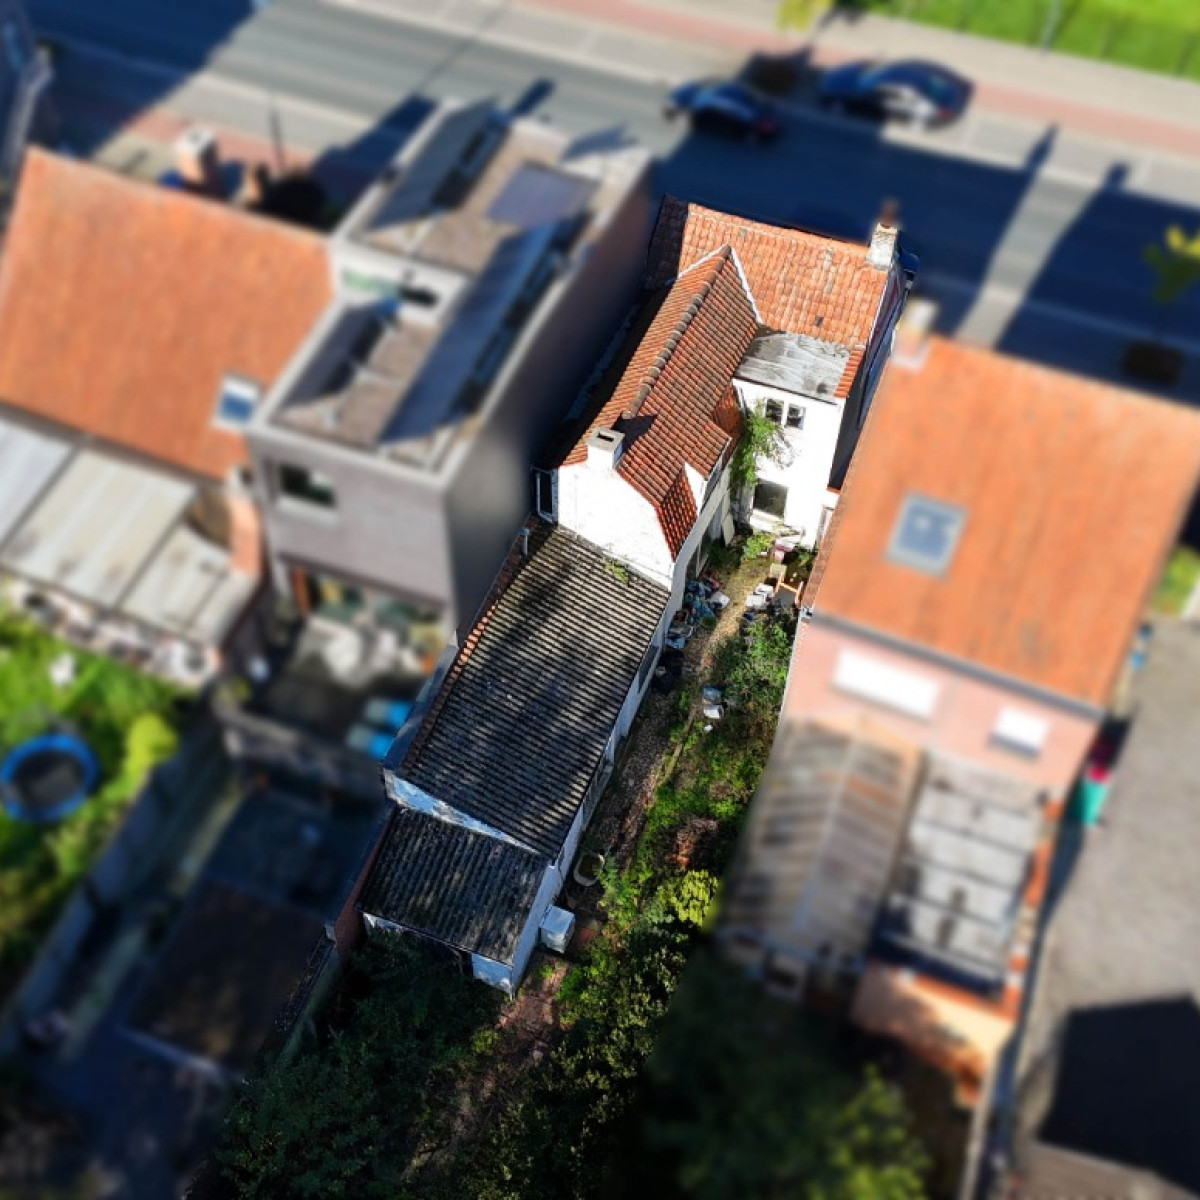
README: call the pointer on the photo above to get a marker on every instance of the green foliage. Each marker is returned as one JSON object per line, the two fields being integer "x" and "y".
{"x": 757, "y": 544}
{"x": 125, "y": 717}
{"x": 1178, "y": 581}
{"x": 617, "y": 570}
{"x": 1176, "y": 264}
{"x": 746, "y": 1097}
{"x": 754, "y": 672}
{"x": 689, "y": 899}
{"x": 338, "y": 1119}
{"x": 555, "y": 1139}
{"x": 761, "y": 438}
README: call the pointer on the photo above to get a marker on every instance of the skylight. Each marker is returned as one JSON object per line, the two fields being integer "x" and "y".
{"x": 926, "y": 534}
{"x": 236, "y": 402}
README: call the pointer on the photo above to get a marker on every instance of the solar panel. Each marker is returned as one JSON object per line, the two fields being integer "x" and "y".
{"x": 536, "y": 195}
{"x": 926, "y": 534}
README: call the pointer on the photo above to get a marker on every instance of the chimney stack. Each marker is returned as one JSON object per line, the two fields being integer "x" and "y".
{"x": 604, "y": 448}
{"x": 913, "y": 331}
{"x": 883, "y": 245}
{"x": 197, "y": 161}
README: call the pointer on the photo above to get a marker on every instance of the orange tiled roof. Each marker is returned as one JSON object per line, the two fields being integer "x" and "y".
{"x": 1073, "y": 493}
{"x": 800, "y": 281}
{"x": 674, "y": 397}
{"x": 123, "y": 305}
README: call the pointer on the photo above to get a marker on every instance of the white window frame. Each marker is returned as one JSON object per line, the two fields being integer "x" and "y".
{"x": 889, "y": 686}
{"x": 1020, "y": 732}
{"x": 239, "y": 388}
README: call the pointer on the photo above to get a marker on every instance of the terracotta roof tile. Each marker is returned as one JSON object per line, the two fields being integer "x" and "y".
{"x": 800, "y": 281}
{"x": 123, "y": 305}
{"x": 1072, "y": 492}
{"x": 673, "y": 398}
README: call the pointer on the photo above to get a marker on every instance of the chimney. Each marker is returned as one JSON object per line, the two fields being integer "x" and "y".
{"x": 604, "y": 448}
{"x": 255, "y": 185}
{"x": 883, "y": 241}
{"x": 911, "y": 345}
{"x": 197, "y": 161}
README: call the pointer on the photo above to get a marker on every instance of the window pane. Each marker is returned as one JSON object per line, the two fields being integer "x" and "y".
{"x": 773, "y": 411}
{"x": 770, "y": 498}
{"x": 795, "y": 416}
{"x": 310, "y": 486}
{"x": 235, "y": 410}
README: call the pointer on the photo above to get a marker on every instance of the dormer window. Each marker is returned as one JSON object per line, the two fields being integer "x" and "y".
{"x": 236, "y": 402}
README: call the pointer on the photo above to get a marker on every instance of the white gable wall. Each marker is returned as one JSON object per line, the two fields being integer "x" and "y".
{"x": 599, "y": 505}
{"x": 805, "y": 472}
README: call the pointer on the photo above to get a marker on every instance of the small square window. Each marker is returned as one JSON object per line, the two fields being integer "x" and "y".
{"x": 310, "y": 487}
{"x": 795, "y": 416}
{"x": 236, "y": 402}
{"x": 926, "y": 534}
{"x": 773, "y": 411}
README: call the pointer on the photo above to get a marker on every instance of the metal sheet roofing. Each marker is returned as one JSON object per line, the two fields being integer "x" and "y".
{"x": 28, "y": 461}
{"x": 448, "y": 882}
{"x": 813, "y": 866}
{"x": 519, "y": 727}
{"x": 189, "y": 588}
{"x": 96, "y": 527}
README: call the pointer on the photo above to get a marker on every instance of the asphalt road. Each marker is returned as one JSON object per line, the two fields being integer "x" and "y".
{"x": 1030, "y": 240}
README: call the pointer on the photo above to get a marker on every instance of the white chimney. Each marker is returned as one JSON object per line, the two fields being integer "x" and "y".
{"x": 910, "y": 346}
{"x": 197, "y": 161}
{"x": 604, "y": 448}
{"x": 883, "y": 246}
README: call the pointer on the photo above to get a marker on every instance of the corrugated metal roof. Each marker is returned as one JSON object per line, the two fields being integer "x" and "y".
{"x": 28, "y": 461}
{"x": 522, "y": 721}
{"x": 447, "y": 882}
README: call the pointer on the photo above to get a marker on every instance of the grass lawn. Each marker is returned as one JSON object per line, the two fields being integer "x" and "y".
{"x": 128, "y": 721}
{"x": 1180, "y": 577}
{"x": 1156, "y": 35}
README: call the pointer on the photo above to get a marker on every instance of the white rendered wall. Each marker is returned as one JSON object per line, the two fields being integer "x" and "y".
{"x": 599, "y": 505}
{"x": 806, "y": 469}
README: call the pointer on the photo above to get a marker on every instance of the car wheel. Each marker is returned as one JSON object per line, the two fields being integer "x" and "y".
{"x": 670, "y": 112}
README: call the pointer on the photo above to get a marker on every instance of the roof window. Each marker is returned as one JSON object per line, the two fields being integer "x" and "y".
{"x": 236, "y": 402}
{"x": 926, "y": 534}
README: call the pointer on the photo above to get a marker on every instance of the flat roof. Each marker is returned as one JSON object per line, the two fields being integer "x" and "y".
{"x": 473, "y": 179}
{"x": 518, "y": 729}
{"x": 1025, "y": 478}
{"x": 796, "y": 363}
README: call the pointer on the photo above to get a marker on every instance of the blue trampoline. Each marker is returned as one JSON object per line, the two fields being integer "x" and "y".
{"x": 47, "y": 778}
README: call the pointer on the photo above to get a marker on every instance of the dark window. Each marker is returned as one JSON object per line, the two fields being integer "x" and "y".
{"x": 908, "y": 879}
{"x": 773, "y": 411}
{"x": 958, "y": 899}
{"x": 795, "y": 416}
{"x": 651, "y": 657}
{"x": 299, "y": 483}
{"x": 770, "y": 498}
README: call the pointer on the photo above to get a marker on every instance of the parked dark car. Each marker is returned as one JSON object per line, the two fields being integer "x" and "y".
{"x": 917, "y": 92}
{"x": 725, "y": 107}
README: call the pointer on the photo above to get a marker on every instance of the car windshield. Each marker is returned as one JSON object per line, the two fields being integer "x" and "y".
{"x": 937, "y": 87}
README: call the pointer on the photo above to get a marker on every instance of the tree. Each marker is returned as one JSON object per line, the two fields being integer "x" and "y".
{"x": 747, "y": 1097}
{"x": 761, "y": 438}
